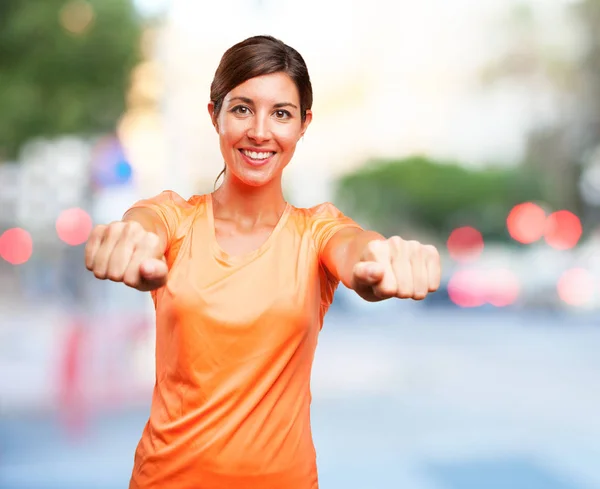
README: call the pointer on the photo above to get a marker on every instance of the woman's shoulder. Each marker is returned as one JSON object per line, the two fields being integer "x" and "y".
{"x": 171, "y": 207}
{"x": 170, "y": 197}
{"x": 171, "y": 201}
{"x": 319, "y": 211}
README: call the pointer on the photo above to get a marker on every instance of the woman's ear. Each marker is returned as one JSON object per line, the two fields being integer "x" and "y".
{"x": 213, "y": 115}
{"x": 306, "y": 123}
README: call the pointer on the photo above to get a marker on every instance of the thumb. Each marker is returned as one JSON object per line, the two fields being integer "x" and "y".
{"x": 154, "y": 270}
{"x": 378, "y": 252}
{"x": 368, "y": 273}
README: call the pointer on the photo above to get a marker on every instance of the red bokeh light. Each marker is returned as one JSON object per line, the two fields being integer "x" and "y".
{"x": 16, "y": 246}
{"x": 474, "y": 288}
{"x": 576, "y": 286}
{"x": 74, "y": 226}
{"x": 563, "y": 230}
{"x": 465, "y": 244}
{"x": 502, "y": 287}
{"x": 526, "y": 222}
{"x": 464, "y": 288}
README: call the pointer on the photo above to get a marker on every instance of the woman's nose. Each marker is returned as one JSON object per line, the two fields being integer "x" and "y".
{"x": 259, "y": 130}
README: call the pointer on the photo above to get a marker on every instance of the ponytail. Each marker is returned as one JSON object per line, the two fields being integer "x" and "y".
{"x": 219, "y": 176}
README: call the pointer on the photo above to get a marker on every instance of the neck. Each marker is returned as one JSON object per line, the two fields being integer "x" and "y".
{"x": 234, "y": 199}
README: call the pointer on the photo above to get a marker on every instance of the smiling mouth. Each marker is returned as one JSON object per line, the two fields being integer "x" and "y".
{"x": 257, "y": 157}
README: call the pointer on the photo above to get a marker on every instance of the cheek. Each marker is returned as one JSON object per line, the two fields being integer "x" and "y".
{"x": 230, "y": 132}
{"x": 224, "y": 139}
{"x": 288, "y": 139}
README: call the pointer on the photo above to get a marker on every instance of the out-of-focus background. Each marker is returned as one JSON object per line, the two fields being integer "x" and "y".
{"x": 474, "y": 125}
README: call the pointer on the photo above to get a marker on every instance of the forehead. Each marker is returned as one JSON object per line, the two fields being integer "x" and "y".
{"x": 273, "y": 88}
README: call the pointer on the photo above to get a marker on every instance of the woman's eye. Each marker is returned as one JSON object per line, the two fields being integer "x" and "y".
{"x": 240, "y": 109}
{"x": 282, "y": 114}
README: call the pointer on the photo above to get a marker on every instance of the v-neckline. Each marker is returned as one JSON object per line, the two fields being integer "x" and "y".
{"x": 222, "y": 254}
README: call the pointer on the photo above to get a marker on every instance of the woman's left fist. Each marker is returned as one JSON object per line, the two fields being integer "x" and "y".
{"x": 397, "y": 268}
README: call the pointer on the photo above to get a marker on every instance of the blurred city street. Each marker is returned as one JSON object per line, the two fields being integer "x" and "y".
{"x": 472, "y": 126}
{"x": 420, "y": 398}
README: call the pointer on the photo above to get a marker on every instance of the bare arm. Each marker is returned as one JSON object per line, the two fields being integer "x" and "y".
{"x": 377, "y": 268}
{"x": 343, "y": 251}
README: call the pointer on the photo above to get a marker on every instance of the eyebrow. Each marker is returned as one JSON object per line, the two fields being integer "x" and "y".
{"x": 249, "y": 101}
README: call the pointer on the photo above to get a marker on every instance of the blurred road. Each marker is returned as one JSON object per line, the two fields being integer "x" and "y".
{"x": 408, "y": 398}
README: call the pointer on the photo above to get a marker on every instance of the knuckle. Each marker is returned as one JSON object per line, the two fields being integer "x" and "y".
{"x": 114, "y": 229}
{"x": 419, "y": 295}
{"x": 405, "y": 291}
{"x": 378, "y": 250}
{"x": 99, "y": 230}
{"x": 414, "y": 247}
{"x": 152, "y": 239}
{"x": 128, "y": 229}
{"x": 131, "y": 280}
{"x": 95, "y": 236}
{"x": 396, "y": 241}
{"x": 99, "y": 274}
{"x": 133, "y": 228}
{"x": 374, "y": 246}
{"x": 115, "y": 273}
{"x": 416, "y": 252}
{"x": 134, "y": 225}
{"x": 431, "y": 251}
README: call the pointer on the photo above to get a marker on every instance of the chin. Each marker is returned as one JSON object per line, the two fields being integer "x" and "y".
{"x": 254, "y": 179}
{"x": 255, "y": 182}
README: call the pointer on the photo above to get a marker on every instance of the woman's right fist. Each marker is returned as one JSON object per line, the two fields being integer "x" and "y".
{"x": 124, "y": 251}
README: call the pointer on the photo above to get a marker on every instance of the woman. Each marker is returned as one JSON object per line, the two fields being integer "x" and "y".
{"x": 241, "y": 281}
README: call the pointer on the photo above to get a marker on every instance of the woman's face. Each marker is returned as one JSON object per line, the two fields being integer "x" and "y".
{"x": 259, "y": 125}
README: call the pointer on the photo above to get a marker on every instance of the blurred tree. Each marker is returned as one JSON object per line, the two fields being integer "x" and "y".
{"x": 559, "y": 64}
{"x": 435, "y": 197}
{"x": 588, "y": 73}
{"x": 64, "y": 67}
{"x": 562, "y": 61}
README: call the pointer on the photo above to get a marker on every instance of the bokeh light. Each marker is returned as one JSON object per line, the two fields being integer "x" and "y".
{"x": 465, "y": 244}
{"x": 526, "y": 222}
{"x": 502, "y": 287}
{"x": 16, "y": 246}
{"x": 465, "y": 288}
{"x": 563, "y": 230}
{"x": 474, "y": 287}
{"x": 77, "y": 17}
{"x": 576, "y": 287}
{"x": 110, "y": 167}
{"x": 73, "y": 226}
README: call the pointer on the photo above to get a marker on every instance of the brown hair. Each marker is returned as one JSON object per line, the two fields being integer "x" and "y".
{"x": 259, "y": 56}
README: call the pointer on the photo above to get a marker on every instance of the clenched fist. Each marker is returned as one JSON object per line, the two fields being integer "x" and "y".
{"x": 125, "y": 252}
{"x": 397, "y": 268}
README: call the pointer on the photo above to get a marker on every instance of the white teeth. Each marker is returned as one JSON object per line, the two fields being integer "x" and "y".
{"x": 257, "y": 156}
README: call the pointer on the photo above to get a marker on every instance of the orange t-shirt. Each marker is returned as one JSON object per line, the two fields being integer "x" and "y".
{"x": 235, "y": 342}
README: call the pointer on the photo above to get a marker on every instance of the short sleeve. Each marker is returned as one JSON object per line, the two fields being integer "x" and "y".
{"x": 169, "y": 207}
{"x": 327, "y": 220}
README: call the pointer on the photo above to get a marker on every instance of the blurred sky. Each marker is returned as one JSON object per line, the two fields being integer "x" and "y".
{"x": 404, "y": 77}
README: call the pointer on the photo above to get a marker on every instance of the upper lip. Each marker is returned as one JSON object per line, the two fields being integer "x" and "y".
{"x": 258, "y": 150}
